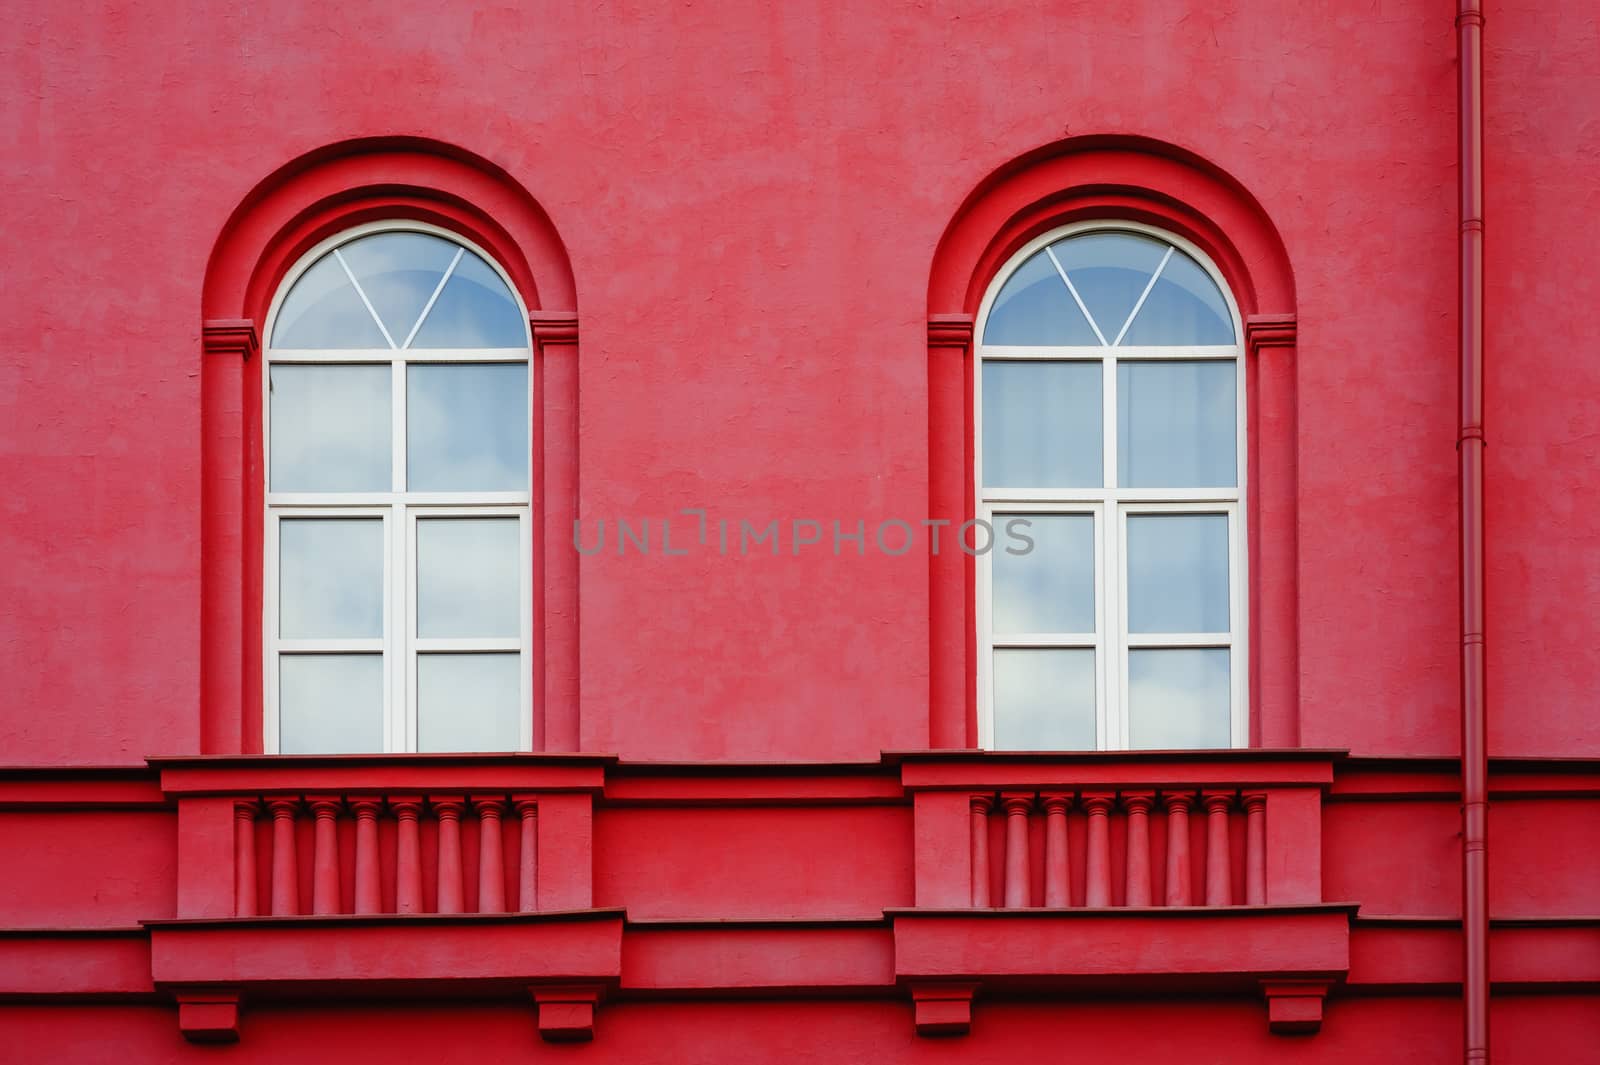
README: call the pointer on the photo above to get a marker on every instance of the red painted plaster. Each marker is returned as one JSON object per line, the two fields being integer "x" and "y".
{"x": 733, "y": 223}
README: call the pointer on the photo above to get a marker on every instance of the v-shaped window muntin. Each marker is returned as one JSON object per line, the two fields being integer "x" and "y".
{"x": 1106, "y": 288}
{"x": 373, "y": 309}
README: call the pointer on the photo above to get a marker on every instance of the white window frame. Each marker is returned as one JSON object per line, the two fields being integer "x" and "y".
{"x": 1111, "y": 507}
{"x": 399, "y": 510}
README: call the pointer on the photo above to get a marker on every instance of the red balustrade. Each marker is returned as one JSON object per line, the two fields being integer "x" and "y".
{"x": 1173, "y": 851}
{"x": 340, "y": 886}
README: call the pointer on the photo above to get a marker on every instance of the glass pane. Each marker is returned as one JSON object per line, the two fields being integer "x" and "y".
{"x": 1044, "y": 700}
{"x": 1184, "y": 307}
{"x": 469, "y": 577}
{"x": 1041, "y": 424}
{"x": 1050, "y": 588}
{"x": 323, "y": 310}
{"x": 1175, "y": 424}
{"x": 467, "y": 427}
{"x": 1178, "y": 699}
{"x": 1177, "y": 573}
{"x": 330, "y": 704}
{"x": 1110, "y": 272}
{"x": 330, "y": 429}
{"x": 475, "y": 310}
{"x": 469, "y": 702}
{"x": 330, "y": 578}
{"x": 398, "y": 272}
{"x": 1034, "y": 307}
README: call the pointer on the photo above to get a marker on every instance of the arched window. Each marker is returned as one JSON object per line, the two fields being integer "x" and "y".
{"x": 1109, "y": 460}
{"x": 398, "y": 551}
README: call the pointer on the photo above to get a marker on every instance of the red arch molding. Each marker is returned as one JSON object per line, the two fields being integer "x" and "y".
{"x": 302, "y": 203}
{"x": 1135, "y": 179}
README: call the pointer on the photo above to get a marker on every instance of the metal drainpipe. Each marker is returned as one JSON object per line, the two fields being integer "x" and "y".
{"x": 1470, "y": 445}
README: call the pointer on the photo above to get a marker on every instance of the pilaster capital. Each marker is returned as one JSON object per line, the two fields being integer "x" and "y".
{"x": 950, "y": 331}
{"x": 1270, "y": 331}
{"x": 230, "y": 337}
{"x": 554, "y": 327}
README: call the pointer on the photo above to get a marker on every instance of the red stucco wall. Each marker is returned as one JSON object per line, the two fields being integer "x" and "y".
{"x": 750, "y": 201}
{"x": 751, "y": 198}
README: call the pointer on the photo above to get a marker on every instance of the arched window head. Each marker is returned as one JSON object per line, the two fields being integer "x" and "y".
{"x": 398, "y": 500}
{"x": 400, "y": 289}
{"x": 1110, "y": 463}
{"x": 1109, "y": 288}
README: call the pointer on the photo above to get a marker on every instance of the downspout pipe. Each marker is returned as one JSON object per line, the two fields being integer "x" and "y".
{"x": 1469, "y": 446}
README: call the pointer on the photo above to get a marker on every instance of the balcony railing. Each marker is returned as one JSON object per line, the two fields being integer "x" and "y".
{"x": 1139, "y": 847}
{"x": 1119, "y": 870}
{"x": 374, "y": 854}
{"x": 300, "y": 875}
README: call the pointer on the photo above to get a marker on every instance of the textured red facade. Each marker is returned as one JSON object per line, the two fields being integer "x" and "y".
{"x": 752, "y": 241}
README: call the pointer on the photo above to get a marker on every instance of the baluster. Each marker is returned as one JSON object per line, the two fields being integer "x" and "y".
{"x": 1017, "y": 871}
{"x": 1219, "y": 874}
{"x": 1180, "y": 878}
{"x": 285, "y": 868}
{"x": 980, "y": 850}
{"x": 408, "y": 854}
{"x": 448, "y": 811}
{"x": 491, "y": 860}
{"x": 244, "y": 857}
{"x": 1255, "y": 849}
{"x": 1138, "y": 804}
{"x": 1057, "y": 879}
{"x": 528, "y": 877}
{"x": 1097, "y": 863}
{"x": 325, "y": 855}
{"x": 369, "y": 898}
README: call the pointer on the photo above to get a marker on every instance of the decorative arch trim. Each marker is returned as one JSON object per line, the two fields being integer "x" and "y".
{"x": 1122, "y": 178}
{"x": 332, "y": 189}
{"x": 1118, "y": 178}
{"x": 304, "y": 202}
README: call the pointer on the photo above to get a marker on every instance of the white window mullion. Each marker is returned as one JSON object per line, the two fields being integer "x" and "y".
{"x": 525, "y": 547}
{"x": 402, "y": 672}
{"x": 1116, "y": 584}
{"x": 270, "y": 625}
{"x": 1114, "y": 730}
{"x": 1238, "y": 652}
{"x": 1105, "y": 644}
{"x": 985, "y": 642}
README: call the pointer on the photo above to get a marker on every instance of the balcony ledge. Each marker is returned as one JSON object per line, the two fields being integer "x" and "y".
{"x": 1292, "y": 954}
{"x": 566, "y": 960}
{"x": 361, "y": 954}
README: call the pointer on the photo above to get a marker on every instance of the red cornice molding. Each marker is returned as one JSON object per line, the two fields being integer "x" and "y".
{"x": 230, "y": 336}
{"x": 308, "y": 761}
{"x": 347, "y": 774}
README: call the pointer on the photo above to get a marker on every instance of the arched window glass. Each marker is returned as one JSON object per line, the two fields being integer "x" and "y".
{"x": 1110, "y": 463}
{"x": 398, "y": 501}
